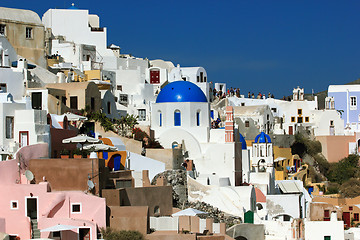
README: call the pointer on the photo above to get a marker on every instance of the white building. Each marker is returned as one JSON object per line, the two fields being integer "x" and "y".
{"x": 196, "y": 75}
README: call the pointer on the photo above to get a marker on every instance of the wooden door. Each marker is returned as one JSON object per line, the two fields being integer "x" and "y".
{"x": 154, "y": 76}
{"x": 346, "y": 218}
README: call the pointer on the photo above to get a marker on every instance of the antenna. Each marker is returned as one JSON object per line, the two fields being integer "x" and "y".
{"x": 29, "y": 175}
{"x": 90, "y": 184}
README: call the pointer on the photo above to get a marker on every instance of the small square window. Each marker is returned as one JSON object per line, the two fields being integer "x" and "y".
{"x": 14, "y": 204}
{"x": 356, "y": 217}
{"x": 299, "y": 111}
{"x": 327, "y": 237}
{"x": 353, "y": 103}
{"x": 300, "y": 120}
{"x": 292, "y": 119}
{"x": 29, "y": 33}
{"x": 247, "y": 124}
{"x": 306, "y": 119}
{"x": 76, "y": 208}
{"x": 119, "y": 87}
{"x": 350, "y": 208}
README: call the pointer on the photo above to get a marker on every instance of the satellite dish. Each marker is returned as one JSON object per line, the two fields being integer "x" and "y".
{"x": 90, "y": 184}
{"x": 29, "y": 175}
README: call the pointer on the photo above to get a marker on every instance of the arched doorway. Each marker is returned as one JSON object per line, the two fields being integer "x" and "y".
{"x": 241, "y": 238}
{"x": 115, "y": 163}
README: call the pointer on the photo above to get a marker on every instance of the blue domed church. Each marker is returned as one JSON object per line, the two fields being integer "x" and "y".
{"x": 181, "y": 105}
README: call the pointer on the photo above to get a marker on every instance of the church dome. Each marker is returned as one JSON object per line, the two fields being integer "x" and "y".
{"x": 262, "y": 138}
{"x": 181, "y": 91}
{"x": 243, "y": 142}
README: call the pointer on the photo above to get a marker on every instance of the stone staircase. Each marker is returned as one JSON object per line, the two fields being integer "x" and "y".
{"x": 35, "y": 232}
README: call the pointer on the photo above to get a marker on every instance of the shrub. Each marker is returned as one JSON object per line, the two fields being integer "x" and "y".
{"x": 112, "y": 234}
{"x": 64, "y": 152}
{"x": 333, "y": 188}
{"x": 351, "y": 188}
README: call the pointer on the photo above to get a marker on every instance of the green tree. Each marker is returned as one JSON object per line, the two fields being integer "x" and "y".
{"x": 342, "y": 171}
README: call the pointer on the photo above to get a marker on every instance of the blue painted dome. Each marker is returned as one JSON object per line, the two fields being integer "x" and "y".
{"x": 262, "y": 138}
{"x": 181, "y": 91}
{"x": 243, "y": 142}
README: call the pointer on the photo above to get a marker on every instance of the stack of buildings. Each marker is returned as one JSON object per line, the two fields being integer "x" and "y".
{"x": 235, "y": 150}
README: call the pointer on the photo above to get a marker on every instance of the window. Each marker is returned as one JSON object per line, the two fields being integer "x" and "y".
{"x": 142, "y": 114}
{"x": 123, "y": 98}
{"x": 119, "y": 87}
{"x": 300, "y": 120}
{"x": 198, "y": 119}
{"x": 306, "y": 119}
{"x": 14, "y": 204}
{"x": 74, "y": 102}
{"x": 292, "y": 119}
{"x": 273, "y": 109}
{"x": 108, "y": 105}
{"x": 197, "y": 79}
{"x": 92, "y": 104}
{"x": 160, "y": 119}
{"x": 299, "y": 111}
{"x": 177, "y": 118}
{"x": 326, "y": 213}
{"x": 350, "y": 208}
{"x": 36, "y": 100}
{"x": 29, "y": 33}
{"x": 327, "y": 237}
{"x": 3, "y": 87}
{"x": 356, "y": 217}
{"x": 353, "y": 103}
{"x": 76, "y": 208}
{"x": 242, "y": 104}
{"x": 2, "y": 29}
{"x": 9, "y": 127}
{"x": 247, "y": 124}
{"x": 63, "y": 100}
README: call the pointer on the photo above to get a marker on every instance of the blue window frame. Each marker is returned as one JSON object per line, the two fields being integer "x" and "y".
{"x": 177, "y": 118}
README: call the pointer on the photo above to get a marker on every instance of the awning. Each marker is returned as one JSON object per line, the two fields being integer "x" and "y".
{"x": 59, "y": 227}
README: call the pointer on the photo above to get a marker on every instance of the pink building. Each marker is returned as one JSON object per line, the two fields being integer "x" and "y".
{"x": 26, "y": 209}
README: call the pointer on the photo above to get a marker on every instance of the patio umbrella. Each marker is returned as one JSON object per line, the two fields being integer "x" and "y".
{"x": 59, "y": 227}
{"x": 82, "y": 138}
{"x": 188, "y": 212}
{"x": 74, "y": 117}
{"x": 99, "y": 147}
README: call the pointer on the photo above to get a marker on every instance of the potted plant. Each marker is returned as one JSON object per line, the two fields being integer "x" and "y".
{"x": 64, "y": 153}
{"x": 77, "y": 153}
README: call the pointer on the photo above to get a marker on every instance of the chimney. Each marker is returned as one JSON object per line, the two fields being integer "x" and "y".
{"x": 333, "y": 216}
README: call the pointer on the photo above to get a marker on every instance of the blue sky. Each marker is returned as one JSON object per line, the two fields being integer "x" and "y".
{"x": 267, "y": 46}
